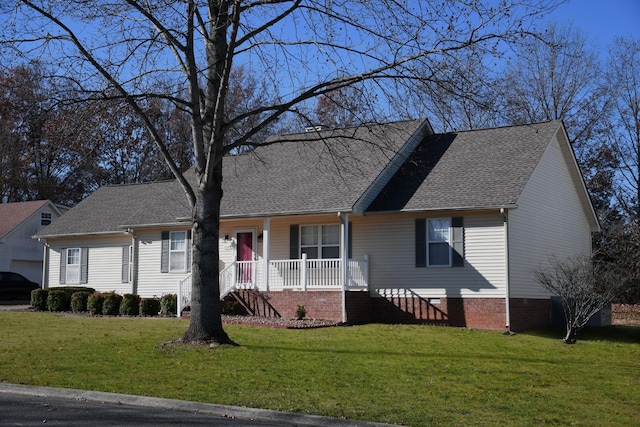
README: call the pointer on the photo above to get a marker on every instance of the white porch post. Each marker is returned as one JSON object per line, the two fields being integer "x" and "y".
{"x": 344, "y": 242}
{"x": 179, "y": 299}
{"x": 265, "y": 252}
{"x": 303, "y": 272}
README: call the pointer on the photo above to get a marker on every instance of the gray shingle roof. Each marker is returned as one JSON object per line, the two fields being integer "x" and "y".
{"x": 110, "y": 208}
{"x": 300, "y": 173}
{"x": 329, "y": 171}
{"x": 465, "y": 170}
{"x": 311, "y": 172}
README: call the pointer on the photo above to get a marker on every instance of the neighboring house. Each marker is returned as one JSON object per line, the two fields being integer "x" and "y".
{"x": 19, "y": 252}
{"x": 387, "y": 223}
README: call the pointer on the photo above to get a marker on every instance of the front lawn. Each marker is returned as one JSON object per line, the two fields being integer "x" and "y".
{"x": 412, "y": 375}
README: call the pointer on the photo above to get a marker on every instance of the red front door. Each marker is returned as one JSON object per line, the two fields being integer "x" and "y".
{"x": 244, "y": 256}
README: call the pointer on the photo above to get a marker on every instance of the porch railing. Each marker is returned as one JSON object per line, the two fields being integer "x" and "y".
{"x": 300, "y": 274}
{"x": 307, "y": 274}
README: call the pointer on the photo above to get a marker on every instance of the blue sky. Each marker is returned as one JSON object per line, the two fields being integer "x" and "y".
{"x": 601, "y": 20}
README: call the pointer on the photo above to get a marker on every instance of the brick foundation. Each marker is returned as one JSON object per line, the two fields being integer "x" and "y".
{"x": 318, "y": 304}
{"x": 478, "y": 313}
{"x": 530, "y": 313}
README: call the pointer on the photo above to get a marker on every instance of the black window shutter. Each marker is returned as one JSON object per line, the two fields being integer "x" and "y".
{"x": 457, "y": 243}
{"x": 188, "y": 249}
{"x": 164, "y": 255}
{"x": 63, "y": 266}
{"x": 421, "y": 242}
{"x": 84, "y": 265}
{"x": 125, "y": 264}
{"x": 294, "y": 250}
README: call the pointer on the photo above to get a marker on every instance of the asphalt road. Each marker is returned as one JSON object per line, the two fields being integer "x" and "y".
{"x": 17, "y": 410}
{"x": 22, "y": 405}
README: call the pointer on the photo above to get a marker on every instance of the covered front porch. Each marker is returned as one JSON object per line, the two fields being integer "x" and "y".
{"x": 246, "y": 264}
{"x": 282, "y": 275}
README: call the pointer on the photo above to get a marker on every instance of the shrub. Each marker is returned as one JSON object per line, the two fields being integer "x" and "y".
{"x": 94, "y": 303}
{"x": 70, "y": 290}
{"x": 301, "y": 312}
{"x": 230, "y": 307}
{"x": 111, "y": 304}
{"x": 149, "y": 306}
{"x": 169, "y": 304}
{"x": 79, "y": 301}
{"x": 130, "y": 305}
{"x": 57, "y": 300}
{"x": 39, "y": 299}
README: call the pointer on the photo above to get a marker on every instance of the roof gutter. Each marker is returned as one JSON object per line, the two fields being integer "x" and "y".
{"x": 290, "y": 213}
{"x": 449, "y": 209}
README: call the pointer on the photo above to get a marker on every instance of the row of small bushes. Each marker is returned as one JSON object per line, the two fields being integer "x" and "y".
{"x": 80, "y": 300}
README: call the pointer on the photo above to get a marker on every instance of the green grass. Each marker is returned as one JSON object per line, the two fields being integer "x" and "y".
{"x": 412, "y": 375}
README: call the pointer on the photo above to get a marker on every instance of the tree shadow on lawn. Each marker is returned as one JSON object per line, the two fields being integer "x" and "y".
{"x": 615, "y": 334}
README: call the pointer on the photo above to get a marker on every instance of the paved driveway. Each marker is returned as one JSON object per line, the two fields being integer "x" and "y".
{"x": 14, "y": 305}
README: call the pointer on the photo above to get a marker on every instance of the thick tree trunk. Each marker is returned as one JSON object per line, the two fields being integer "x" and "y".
{"x": 205, "y": 325}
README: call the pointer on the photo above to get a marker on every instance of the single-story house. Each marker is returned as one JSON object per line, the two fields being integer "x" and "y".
{"x": 376, "y": 223}
{"x": 19, "y": 221}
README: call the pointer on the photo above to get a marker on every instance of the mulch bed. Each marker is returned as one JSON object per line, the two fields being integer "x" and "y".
{"x": 279, "y": 322}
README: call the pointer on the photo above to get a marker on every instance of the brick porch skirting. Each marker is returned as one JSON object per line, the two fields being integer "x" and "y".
{"x": 478, "y": 313}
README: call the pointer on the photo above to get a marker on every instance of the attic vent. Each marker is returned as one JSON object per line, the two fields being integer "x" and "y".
{"x": 316, "y": 128}
{"x": 45, "y": 218}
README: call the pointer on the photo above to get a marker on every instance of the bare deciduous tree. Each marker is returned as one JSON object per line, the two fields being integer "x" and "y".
{"x": 585, "y": 285}
{"x": 623, "y": 76}
{"x": 301, "y": 49}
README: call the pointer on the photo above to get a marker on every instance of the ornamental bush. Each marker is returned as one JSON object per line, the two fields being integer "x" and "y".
{"x": 39, "y": 299}
{"x": 94, "y": 303}
{"x": 70, "y": 290}
{"x": 79, "y": 301}
{"x": 130, "y": 305}
{"x": 57, "y": 300}
{"x": 149, "y": 306}
{"x": 111, "y": 304}
{"x": 169, "y": 304}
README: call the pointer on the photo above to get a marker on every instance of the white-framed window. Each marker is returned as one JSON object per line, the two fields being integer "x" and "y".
{"x": 177, "y": 251}
{"x": 72, "y": 268}
{"x": 320, "y": 241}
{"x": 438, "y": 242}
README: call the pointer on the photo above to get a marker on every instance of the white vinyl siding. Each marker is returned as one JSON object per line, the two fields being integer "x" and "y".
{"x": 151, "y": 281}
{"x": 104, "y": 262}
{"x": 546, "y": 223}
{"x": 388, "y": 240}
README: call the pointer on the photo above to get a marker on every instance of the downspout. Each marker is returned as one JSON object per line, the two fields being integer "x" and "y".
{"x": 134, "y": 261}
{"x": 45, "y": 265}
{"x": 507, "y": 297}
